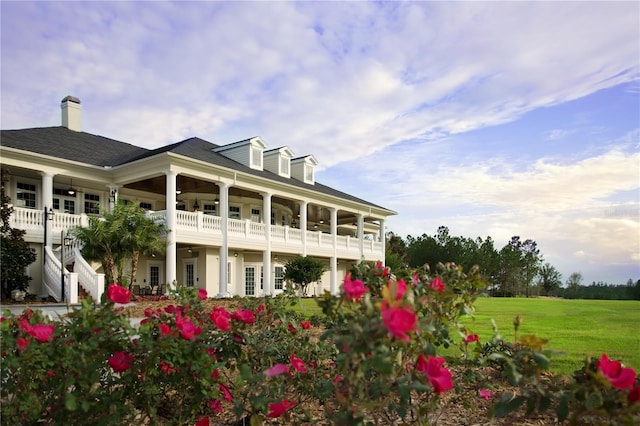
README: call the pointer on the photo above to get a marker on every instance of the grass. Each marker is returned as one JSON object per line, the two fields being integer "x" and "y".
{"x": 579, "y": 328}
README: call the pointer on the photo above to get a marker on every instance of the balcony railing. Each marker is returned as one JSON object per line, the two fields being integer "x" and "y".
{"x": 197, "y": 225}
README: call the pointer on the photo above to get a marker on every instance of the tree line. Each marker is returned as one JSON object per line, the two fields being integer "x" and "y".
{"x": 516, "y": 269}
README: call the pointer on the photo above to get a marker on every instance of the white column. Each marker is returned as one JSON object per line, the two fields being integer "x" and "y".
{"x": 361, "y": 235}
{"x": 113, "y": 196}
{"x": 266, "y": 255}
{"x": 224, "y": 250}
{"x": 47, "y": 203}
{"x": 170, "y": 257}
{"x": 383, "y": 240}
{"x": 303, "y": 226}
{"x": 333, "y": 269}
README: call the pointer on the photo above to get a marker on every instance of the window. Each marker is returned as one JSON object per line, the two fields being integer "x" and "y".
{"x": 284, "y": 166}
{"x": 279, "y": 278}
{"x": 250, "y": 280}
{"x": 256, "y": 158}
{"x": 26, "y": 195}
{"x": 262, "y": 278}
{"x": 146, "y": 206}
{"x": 63, "y": 201}
{"x": 256, "y": 215}
{"x": 308, "y": 173}
{"x": 91, "y": 204}
{"x": 210, "y": 209}
{"x": 154, "y": 275}
{"x": 189, "y": 273}
{"x": 234, "y": 212}
{"x": 273, "y": 217}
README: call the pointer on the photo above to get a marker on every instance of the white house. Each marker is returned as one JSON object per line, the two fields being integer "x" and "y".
{"x": 236, "y": 213}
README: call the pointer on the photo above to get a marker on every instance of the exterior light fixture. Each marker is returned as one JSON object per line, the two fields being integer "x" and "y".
{"x": 196, "y": 206}
{"x": 71, "y": 191}
{"x": 235, "y": 254}
{"x": 216, "y": 201}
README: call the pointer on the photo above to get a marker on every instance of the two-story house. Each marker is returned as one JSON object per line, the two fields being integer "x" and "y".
{"x": 236, "y": 213}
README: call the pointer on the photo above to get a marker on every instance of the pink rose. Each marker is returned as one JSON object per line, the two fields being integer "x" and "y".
{"x": 399, "y": 321}
{"x": 485, "y": 393}
{"x": 354, "y": 289}
{"x": 276, "y": 370}
{"x": 439, "y": 377}
{"x": 297, "y": 363}
{"x": 437, "y": 284}
{"x": 202, "y": 294}
{"x": 619, "y": 376}
{"x": 41, "y": 332}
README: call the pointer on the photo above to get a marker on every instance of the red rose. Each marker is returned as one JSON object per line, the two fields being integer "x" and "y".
{"x": 297, "y": 363}
{"x": 245, "y": 315}
{"x": 120, "y": 361}
{"x": 619, "y": 376}
{"x": 202, "y": 294}
{"x": 278, "y": 409}
{"x": 471, "y": 338}
{"x": 305, "y": 325}
{"x": 634, "y": 395}
{"x": 118, "y": 294}
{"x": 220, "y": 318}
{"x": 437, "y": 284}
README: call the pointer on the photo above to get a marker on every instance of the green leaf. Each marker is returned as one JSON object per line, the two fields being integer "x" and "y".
{"x": 562, "y": 411}
{"x": 541, "y": 360}
{"x": 245, "y": 372}
{"x": 256, "y": 420}
{"x": 70, "y": 402}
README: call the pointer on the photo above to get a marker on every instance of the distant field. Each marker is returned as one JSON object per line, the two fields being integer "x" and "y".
{"x": 579, "y": 328}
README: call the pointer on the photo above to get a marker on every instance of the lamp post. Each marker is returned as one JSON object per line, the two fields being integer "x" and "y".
{"x": 64, "y": 242}
{"x": 47, "y": 216}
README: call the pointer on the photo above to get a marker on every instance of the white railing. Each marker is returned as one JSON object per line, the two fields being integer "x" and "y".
{"x": 27, "y": 218}
{"x": 52, "y": 279}
{"x": 89, "y": 279}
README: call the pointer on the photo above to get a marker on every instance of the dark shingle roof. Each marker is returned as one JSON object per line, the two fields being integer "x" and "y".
{"x": 61, "y": 142}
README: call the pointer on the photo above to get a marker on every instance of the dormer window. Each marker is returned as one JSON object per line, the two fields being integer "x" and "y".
{"x": 303, "y": 169}
{"x": 308, "y": 173}
{"x": 278, "y": 161}
{"x": 284, "y": 166}
{"x": 256, "y": 158}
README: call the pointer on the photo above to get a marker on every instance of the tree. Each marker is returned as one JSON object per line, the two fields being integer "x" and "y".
{"x": 303, "y": 270}
{"x": 16, "y": 254}
{"x": 573, "y": 284}
{"x": 550, "y": 279}
{"x": 119, "y": 236}
{"x": 519, "y": 262}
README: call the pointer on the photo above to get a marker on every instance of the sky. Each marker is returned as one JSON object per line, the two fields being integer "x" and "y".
{"x": 490, "y": 118}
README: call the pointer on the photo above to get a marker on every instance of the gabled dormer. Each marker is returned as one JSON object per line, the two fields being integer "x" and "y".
{"x": 303, "y": 168}
{"x": 278, "y": 160}
{"x": 247, "y": 152}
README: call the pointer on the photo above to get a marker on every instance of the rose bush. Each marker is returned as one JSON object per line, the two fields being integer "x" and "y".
{"x": 376, "y": 361}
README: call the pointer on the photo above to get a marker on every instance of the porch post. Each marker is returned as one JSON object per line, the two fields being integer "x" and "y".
{"x": 361, "y": 235}
{"x": 113, "y": 196}
{"x": 334, "y": 259}
{"x": 224, "y": 249}
{"x": 383, "y": 240}
{"x": 303, "y": 226}
{"x": 266, "y": 255}
{"x": 170, "y": 257}
{"x": 47, "y": 203}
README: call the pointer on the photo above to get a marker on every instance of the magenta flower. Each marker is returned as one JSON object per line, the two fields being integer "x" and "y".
{"x": 471, "y": 338}
{"x": 278, "y": 409}
{"x": 399, "y": 321}
{"x": 276, "y": 370}
{"x": 202, "y": 294}
{"x": 225, "y": 392}
{"x": 118, "y": 294}
{"x": 439, "y": 377}
{"x": 41, "y": 332}
{"x": 485, "y": 393}
{"x": 165, "y": 329}
{"x": 297, "y": 363}
{"x": 245, "y": 315}
{"x": 620, "y": 377}
{"x": 354, "y": 289}
{"x": 187, "y": 328}
{"x": 120, "y": 361}
{"x": 220, "y": 318}
{"x": 437, "y": 284}
{"x": 215, "y": 405}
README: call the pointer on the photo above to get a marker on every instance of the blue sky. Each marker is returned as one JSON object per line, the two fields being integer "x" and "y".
{"x": 492, "y": 118}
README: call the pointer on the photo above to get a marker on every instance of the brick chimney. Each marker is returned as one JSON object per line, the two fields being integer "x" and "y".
{"x": 71, "y": 113}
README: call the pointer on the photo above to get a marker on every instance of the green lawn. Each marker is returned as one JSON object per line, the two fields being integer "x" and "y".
{"x": 579, "y": 328}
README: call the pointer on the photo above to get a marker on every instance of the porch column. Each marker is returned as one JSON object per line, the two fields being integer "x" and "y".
{"x": 113, "y": 196}
{"x": 266, "y": 255}
{"x": 333, "y": 273}
{"x": 361, "y": 235}
{"x": 383, "y": 240}
{"x": 170, "y": 257}
{"x": 303, "y": 226}
{"x": 224, "y": 250}
{"x": 47, "y": 203}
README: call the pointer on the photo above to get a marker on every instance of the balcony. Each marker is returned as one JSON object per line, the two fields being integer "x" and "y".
{"x": 201, "y": 229}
